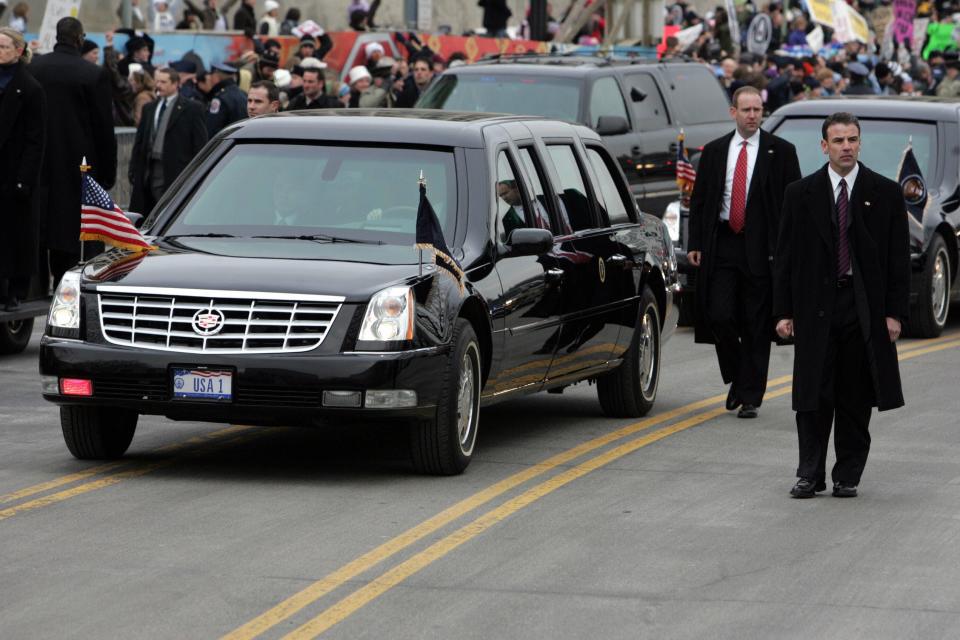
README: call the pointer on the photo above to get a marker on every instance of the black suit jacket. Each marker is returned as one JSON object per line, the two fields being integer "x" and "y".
{"x": 775, "y": 168}
{"x": 186, "y": 134}
{"x": 79, "y": 123}
{"x": 805, "y": 277}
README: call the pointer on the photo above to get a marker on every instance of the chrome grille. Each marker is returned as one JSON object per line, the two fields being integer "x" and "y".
{"x": 252, "y": 322}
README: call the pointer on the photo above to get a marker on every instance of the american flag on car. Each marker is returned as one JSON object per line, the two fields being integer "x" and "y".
{"x": 101, "y": 219}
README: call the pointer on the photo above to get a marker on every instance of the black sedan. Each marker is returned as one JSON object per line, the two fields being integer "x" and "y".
{"x": 286, "y": 288}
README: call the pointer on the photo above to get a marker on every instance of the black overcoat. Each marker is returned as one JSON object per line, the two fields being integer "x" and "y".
{"x": 79, "y": 124}
{"x": 185, "y": 136}
{"x": 775, "y": 168}
{"x": 805, "y": 278}
{"x": 21, "y": 154}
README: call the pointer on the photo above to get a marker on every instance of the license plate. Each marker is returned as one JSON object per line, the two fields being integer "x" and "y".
{"x": 202, "y": 384}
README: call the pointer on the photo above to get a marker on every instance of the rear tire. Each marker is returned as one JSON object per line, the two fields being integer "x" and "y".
{"x": 97, "y": 433}
{"x": 928, "y": 316}
{"x": 14, "y": 336}
{"x": 444, "y": 445}
{"x": 631, "y": 389}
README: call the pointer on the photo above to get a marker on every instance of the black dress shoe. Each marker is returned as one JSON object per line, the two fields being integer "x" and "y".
{"x": 732, "y": 400}
{"x": 747, "y": 411}
{"x": 805, "y": 488}
{"x": 844, "y": 490}
{"x": 821, "y": 486}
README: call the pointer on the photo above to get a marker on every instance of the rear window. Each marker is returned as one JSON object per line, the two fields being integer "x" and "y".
{"x": 505, "y": 93}
{"x": 352, "y": 192}
{"x": 882, "y": 148}
{"x": 696, "y": 94}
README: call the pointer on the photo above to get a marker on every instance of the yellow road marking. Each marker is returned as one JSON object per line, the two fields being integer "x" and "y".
{"x": 315, "y": 591}
{"x": 364, "y": 595}
{"x": 92, "y": 471}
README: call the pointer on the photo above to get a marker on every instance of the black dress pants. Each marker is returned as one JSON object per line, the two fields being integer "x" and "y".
{"x": 739, "y": 313}
{"x": 846, "y": 400}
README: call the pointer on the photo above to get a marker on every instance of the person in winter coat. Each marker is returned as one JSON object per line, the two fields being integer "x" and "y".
{"x": 269, "y": 24}
{"x": 245, "y": 17}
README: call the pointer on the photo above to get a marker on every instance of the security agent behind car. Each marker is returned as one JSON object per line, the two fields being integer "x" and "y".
{"x": 286, "y": 287}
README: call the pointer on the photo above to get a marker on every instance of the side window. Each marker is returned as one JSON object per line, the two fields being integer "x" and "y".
{"x": 647, "y": 102}
{"x": 574, "y": 205}
{"x": 606, "y": 100}
{"x": 697, "y": 94}
{"x": 540, "y": 204}
{"x": 609, "y": 194}
{"x": 510, "y": 210}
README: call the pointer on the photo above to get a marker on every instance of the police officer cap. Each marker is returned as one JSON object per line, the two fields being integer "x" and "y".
{"x": 858, "y": 68}
{"x": 184, "y": 66}
{"x": 223, "y": 67}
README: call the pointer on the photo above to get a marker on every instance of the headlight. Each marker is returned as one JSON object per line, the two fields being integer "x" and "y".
{"x": 671, "y": 218}
{"x": 389, "y": 316}
{"x": 65, "y": 308}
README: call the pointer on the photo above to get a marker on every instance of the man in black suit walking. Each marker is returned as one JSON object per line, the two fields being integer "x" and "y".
{"x": 842, "y": 289}
{"x": 734, "y": 215}
{"x": 172, "y": 131}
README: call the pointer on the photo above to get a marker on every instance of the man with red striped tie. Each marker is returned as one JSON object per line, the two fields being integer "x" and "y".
{"x": 841, "y": 289}
{"x": 734, "y": 216}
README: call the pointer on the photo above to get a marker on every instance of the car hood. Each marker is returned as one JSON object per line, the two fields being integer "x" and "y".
{"x": 352, "y": 270}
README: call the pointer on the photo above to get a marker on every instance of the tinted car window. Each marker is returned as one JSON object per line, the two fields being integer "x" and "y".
{"x": 356, "y": 192}
{"x": 575, "y": 207}
{"x": 535, "y": 171}
{"x": 511, "y": 211}
{"x": 609, "y": 194}
{"x": 646, "y": 100}
{"x": 881, "y": 150}
{"x": 508, "y": 93}
{"x": 696, "y": 94}
{"x": 606, "y": 100}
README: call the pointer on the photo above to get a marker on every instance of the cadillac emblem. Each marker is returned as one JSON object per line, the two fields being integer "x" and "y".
{"x": 208, "y": 322}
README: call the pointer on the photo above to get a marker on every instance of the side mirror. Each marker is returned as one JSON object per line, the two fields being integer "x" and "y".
{"x": 136, "y": 219}
{"x": 636, "y": 95}
{"x": 612, "y": 125}
{"x": 529, "y": 242}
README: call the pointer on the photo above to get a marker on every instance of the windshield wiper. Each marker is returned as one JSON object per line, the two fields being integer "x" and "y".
{"x": 321, "y": 237}
{"x": 201, "y": 235}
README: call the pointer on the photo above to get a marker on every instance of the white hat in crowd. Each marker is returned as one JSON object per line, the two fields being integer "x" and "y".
{"x": 372, "y": 48}
{"x": 312, "y": 63}
{"x": 358, "y": 73}
{"x": 270, "y": 5}
{"x": 281, "y": 78}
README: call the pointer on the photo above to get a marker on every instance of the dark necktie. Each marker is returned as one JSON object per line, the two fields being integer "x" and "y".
{"x": 163, "y": 107}
{"x": 843, "y": 245}
{"x": 738, "y": 193}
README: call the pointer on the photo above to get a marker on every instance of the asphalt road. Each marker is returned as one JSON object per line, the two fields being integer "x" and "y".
{"x": 566, "y": 525}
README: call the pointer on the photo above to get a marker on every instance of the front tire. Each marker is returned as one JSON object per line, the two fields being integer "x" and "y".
{"x": 14, "y": 336}
{"x": 928, "y": 316}
{"x": 97, "y": 433}
{"x": 444, "y": 445}
{"x": 631, "y": 389}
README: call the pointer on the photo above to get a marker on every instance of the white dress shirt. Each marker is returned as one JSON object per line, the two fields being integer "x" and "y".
{"x": 835, "y": 183}
{"x": 733, "y": 152}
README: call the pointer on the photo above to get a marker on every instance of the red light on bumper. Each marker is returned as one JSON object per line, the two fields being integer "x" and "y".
{"x": 76, "y": 387}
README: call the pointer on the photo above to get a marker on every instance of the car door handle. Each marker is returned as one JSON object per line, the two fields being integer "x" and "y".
{"x": 617, "y": 258}
{"x": 554, "y": 274}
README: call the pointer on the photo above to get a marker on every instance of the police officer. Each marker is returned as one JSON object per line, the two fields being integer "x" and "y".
{"x": 227, "y": 102}
{"x": 187, "y": 69}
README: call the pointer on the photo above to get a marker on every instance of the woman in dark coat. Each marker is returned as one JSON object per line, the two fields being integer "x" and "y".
{"x": 22, "y": 127}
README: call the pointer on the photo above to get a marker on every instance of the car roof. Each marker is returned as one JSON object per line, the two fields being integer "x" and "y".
{"x": 385, "y": 126}
{"x": 921, "y": 107}
{"x": 577, "y": 66}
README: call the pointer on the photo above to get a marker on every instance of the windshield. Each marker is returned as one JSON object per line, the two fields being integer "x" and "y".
{"x": 881, "y": 149}
{"x": 507, "y": 93}
{"x": 323, "y": 193}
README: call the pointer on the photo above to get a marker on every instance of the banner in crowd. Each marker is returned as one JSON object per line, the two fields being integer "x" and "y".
{"x": 56, "y": 9}
{"x": 846, "y": 23}
{"x": 903, "y": 13}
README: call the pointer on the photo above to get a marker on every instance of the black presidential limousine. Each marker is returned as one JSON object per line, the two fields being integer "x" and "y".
{"x": 285, "y": 287}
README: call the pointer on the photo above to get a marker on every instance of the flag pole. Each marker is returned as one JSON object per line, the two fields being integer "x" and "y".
{"x": 84, "y": 167}
{"x": 423, "y": 183}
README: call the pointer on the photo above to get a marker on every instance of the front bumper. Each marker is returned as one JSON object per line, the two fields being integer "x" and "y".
{"x": 274, "y": 389}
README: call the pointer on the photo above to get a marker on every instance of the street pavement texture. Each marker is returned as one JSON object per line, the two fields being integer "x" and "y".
{"x": 566, "y": 524}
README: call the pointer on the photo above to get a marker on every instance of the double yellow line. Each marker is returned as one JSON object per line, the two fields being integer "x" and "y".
{"x": 392, "y": 577}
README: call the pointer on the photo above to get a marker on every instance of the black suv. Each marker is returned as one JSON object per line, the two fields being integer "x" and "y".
{"x": 637, "y": 106}
{"x": 286, "y": 287}
{"x": 888, "y": 124}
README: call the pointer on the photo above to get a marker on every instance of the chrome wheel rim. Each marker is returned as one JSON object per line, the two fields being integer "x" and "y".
{"x": 467, "y": 394}
{"x": 649, "y": 356}
{"x": 939, "y": 289}
{"x": 14, "y": 326}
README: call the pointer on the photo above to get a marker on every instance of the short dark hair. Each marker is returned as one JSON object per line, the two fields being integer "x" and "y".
{"x": 69, "y": 31}
{"x": 319, "y": 72}
{"x": 273, "y": 94}
{"x": 171, "y": 73}
{"x": 840, "y": 117}
{"x": 745, "y": 89}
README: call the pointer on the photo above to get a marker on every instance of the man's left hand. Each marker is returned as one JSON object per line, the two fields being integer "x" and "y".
{"x": 893, "y": 329}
